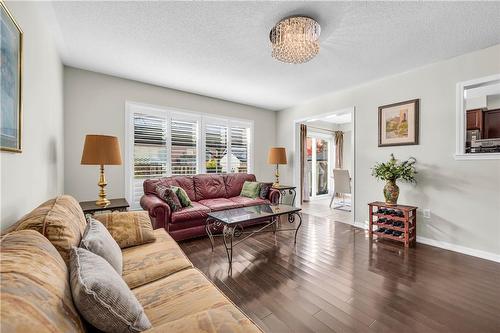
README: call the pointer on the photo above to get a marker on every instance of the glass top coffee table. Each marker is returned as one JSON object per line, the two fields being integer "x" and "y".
{"x": 231, "y": 222}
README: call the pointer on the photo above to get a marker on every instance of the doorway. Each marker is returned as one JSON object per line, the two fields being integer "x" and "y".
{"x": 326, "y": 133}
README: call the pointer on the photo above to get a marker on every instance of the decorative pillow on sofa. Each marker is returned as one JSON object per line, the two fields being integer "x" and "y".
{"x": 264, "y": 190}
{"x": 250, "y": 189}
{"x": 128, "y": 228}
{"x": 167, "y": 194}
{"x": 102, "y": 297}
{"x": 98, "y": 240}
{"x": 60, "y": 220}
{"x": 182, "y": 195}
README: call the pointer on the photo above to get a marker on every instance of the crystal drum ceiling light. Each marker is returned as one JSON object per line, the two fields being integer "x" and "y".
{"x": 295, "y": 39}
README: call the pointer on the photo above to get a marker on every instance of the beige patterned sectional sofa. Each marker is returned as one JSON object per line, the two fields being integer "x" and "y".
{"x": 35, "y": 289}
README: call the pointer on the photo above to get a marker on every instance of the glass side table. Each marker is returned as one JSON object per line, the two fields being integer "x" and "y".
{"x": 286, "y": 190}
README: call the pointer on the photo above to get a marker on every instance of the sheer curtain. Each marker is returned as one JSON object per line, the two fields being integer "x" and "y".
{"x": 304, "y": 194}
{"x": 339, "y": 149}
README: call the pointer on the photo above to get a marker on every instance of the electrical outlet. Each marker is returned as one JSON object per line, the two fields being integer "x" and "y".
{"x": 427, "y": 213}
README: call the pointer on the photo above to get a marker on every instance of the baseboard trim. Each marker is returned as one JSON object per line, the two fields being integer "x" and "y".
{"x": 459, "y": 249}
{"x": 447, "y": 246}
{"x": 360, "y": 225}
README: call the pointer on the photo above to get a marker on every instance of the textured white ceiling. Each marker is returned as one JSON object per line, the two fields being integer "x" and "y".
{"x": 221, "y": 49}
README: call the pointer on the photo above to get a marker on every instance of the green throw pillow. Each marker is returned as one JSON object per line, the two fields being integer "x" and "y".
{"x": 182, "y": 195}
{"x": 250, "y": 190}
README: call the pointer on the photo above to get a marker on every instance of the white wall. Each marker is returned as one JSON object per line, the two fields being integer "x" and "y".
{"x": 35, "y": 175}
{"x": 95, "y": 103}
{"x": 464, "y": 196}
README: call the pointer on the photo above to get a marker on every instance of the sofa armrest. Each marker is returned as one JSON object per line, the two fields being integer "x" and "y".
{"x": 158, "y": 210}
{"x": 274, "y": 196}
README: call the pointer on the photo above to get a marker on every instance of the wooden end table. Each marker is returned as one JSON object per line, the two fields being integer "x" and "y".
{"x": 116, "y": 205}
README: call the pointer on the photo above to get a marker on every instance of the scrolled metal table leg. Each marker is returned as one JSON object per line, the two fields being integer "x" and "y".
{"x": 291, "y": 219}
{"x": 228, "y": 232}
{"x": 209, "y": 232}
{"x": 293, "y": 192}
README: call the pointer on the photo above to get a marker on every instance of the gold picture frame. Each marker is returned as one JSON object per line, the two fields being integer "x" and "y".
{"x": 398, "y": 123}
{"x": 11, "y": 92}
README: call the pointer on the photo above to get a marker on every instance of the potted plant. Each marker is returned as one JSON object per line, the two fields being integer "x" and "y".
{"x": 392, "y": 171}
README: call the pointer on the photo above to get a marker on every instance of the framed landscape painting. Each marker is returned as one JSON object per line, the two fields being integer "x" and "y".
{"x": 11, "y": 75}
{"x": 398, "y": 124}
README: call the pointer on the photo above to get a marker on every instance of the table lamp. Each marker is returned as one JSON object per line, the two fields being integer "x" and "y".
{"x": 277, "y": 155}
{"x": 101, "y": 150}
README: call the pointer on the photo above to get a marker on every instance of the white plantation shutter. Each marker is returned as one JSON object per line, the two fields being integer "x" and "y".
{"x": 162, "y": 143}
{"x": 216, "y": 147}
{"x": 240, "y": 137}
{"x": 184, "y": 143}
{"x": 149, "y": 153}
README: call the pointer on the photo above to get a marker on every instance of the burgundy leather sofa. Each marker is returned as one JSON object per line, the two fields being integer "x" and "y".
{"x": 208, "y": 192}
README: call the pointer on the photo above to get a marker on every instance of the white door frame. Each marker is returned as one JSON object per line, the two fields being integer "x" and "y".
{"x": 296, "y": 157}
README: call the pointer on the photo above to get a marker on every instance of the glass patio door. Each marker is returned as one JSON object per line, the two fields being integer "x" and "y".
{"x": 318, "y": 159}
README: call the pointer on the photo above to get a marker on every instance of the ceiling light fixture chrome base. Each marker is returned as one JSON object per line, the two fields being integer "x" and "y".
{"x": 295, "y": 39}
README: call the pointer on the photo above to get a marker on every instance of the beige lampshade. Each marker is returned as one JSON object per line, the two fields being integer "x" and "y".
{"x": 277, "y": 155}
{"x": 101, "y": 150}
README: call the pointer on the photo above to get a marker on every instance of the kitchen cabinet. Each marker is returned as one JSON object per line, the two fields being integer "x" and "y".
{"x": 475, "y": 119}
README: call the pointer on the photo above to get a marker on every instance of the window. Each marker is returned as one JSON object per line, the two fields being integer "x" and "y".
{"x": 150, "y": 150}
{"x": 216, "y": 148}
{"x": 478, "y": 119}
{"x": 184, "y": 147}
{"x": 239, "y": 148}
{"x": 162, "y": 143}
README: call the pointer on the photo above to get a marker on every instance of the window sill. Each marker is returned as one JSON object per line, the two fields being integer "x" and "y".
{"x": 478, "y": 156}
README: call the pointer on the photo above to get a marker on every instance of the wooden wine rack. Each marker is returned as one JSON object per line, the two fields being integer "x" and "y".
{"x": 409, "y": 219}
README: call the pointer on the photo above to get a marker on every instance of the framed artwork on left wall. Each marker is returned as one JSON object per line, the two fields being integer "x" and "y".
{"x": 11, "y": 78}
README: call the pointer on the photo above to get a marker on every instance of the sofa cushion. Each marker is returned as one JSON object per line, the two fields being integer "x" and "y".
{"x": 98, "y": 240}
{"x": 149, "y": 262}
{"x": 265, "y": 188}
{"x": 250, "y": 189}
{"x": 35, "y": 286}
{"x": 167, "y": 194}
{"x": 179, "y": 295}
{"x": 196, "y": 211}
{"x": 209, "y": 186}
{"x": 128, "y": 228}
{"x": 102, "y": 297}
{"x": 60, "y": 220}
{"x": 219, "y": 204}
{"x": 234, "y": 183}
{"x": 227, "y": 318}
{"x": 186, "y": 182}
{"x": 182, "y": 196}
{"x": 244, "y": 201}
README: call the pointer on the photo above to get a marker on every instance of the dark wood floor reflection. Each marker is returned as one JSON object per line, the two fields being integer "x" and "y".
{"x": 337, "y": 280}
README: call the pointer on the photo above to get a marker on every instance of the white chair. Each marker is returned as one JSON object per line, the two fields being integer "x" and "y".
{"x": 341, "y": 184}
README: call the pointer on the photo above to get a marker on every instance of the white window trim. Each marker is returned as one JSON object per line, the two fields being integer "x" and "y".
{"x": 168, "y": 113}
{"x": 461, "y": 121}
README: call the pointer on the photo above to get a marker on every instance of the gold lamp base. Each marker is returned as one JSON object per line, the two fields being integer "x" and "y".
{"x": 102, "y": 201}
{"x": 277, "y": 175}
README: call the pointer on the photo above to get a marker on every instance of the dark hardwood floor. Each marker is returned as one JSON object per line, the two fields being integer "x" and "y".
{"x": 337, "y": 280}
